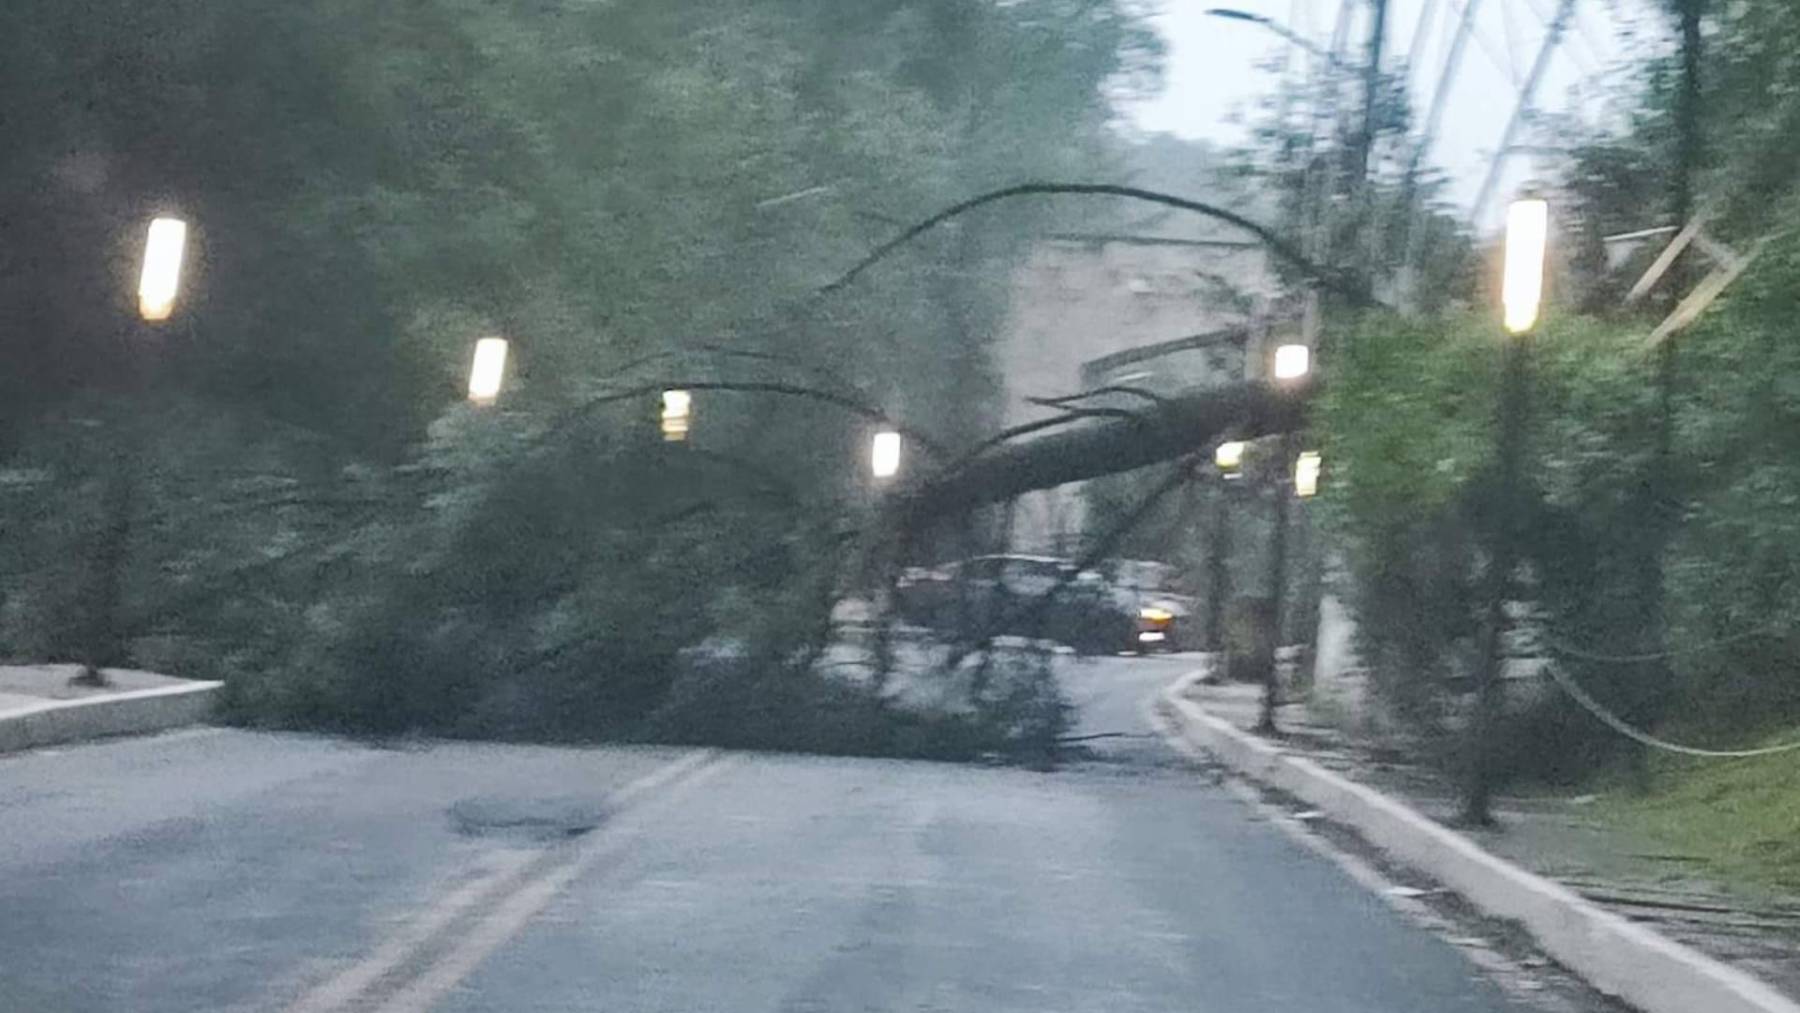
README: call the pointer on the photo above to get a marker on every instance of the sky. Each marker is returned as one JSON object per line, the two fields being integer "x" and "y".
{"x": 1215, "y": 69}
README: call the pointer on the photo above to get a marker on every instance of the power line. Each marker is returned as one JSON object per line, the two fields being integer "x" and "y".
{"x": 1512, "y": 42}
{"x": 1522, "y": 108}
{"x": 1630, "y": 731}
{"x": 1414, "y": 246}
{"x": 1631, "y": 659}
{"x": 1582, "y": 62}
{"x": 1427, "y": 13}
{"x": 1487, "y": 45}
{"x": 1587, "y": 35}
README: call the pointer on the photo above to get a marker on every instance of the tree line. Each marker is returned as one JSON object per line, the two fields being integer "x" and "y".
{"x": 283, "y": 487}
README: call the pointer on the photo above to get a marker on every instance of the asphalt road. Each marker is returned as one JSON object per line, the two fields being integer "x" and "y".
{"x": 219, "y": 869}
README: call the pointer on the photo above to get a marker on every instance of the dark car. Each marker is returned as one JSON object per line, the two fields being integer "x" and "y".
{"x": 1141, "y": 595}
{"x": 998, "y": 594}
{"x": 1123, "y": 606}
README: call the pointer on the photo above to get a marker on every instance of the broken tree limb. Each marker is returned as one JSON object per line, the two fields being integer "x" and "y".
{"x": 1180, "y": 425}
{"x": 1325, "y": 277}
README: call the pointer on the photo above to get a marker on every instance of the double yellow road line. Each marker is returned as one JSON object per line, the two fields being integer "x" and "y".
{"x": 438, "y": 947}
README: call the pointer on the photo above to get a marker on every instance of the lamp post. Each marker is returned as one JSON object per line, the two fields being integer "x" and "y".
{"x": 1291, "y": 364}
{"x": 159, "y": 287}
{"x": 1218, "y": 574}
{"x": 1521, "y": 295}
{"x": 1228, "y": 463}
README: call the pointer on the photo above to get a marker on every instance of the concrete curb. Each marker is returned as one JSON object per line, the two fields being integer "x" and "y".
{"x": 1620, "y": 958}
{"x": 129, "y": 713}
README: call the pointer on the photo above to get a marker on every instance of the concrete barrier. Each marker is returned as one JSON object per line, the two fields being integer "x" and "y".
{"x": 133, "y": 712}
{"x": 1620, "y": 958}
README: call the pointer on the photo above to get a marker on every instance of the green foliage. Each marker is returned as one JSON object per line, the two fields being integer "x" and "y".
{"x": 1738, "y": 817}
{"x": 1735, "y": 563}
{"x": 631, "y": 193}
{"x": 1407, "y": 429}
{"x": 737, "y": 699}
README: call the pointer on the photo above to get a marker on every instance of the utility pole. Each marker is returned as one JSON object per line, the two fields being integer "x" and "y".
{"x": 1687, "y": 110}
{"x": 1271, "y": 695}
{"x": 1218, "y": 570}
{"x": 1365, "y": 140}
{"x": 1660, "y": 487}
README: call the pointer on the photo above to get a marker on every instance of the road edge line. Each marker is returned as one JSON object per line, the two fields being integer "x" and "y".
{"x": 1618, "y": 957}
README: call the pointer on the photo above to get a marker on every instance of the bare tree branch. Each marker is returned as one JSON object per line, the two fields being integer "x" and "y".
{"x": 793, "y": 390}
{"x": 1037, "y": 426}
{"x": 1112, "y": 388}
{"x": 748, "y": 354}
{"x": 1336, "y": 281}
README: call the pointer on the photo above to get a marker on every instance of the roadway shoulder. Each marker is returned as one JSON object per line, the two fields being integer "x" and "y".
{"x": 1621, "y": 958}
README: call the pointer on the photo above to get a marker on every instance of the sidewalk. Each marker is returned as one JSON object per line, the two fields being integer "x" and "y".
{"x": 41, "y": 706}
{"x": 1561, "y": 838}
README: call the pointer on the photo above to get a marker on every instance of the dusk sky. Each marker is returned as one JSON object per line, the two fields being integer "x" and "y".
{"x": 1216, "y": 68}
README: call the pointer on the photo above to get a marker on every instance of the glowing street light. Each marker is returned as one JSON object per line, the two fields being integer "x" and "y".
{"x": 1230, "y": 457}
{"x": 485, "y": 373}
{"x": 677, "y": 415}
{"x": 1521, "y": 290}
{"x": 160, "y": 281}
{"x": 884, "y": 454}
{"x": 1306, "y": 473}
{"x": 1292, "y": 361}
{"x": 1522, "y": 287}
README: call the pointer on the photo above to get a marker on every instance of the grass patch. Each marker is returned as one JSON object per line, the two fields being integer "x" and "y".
{"x": 1741, "y": 817}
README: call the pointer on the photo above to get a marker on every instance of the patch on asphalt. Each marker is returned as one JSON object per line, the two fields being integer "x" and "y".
{"x": 529, "y": 819}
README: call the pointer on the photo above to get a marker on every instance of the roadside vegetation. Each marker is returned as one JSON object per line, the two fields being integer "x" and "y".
{"x": 283, "y": 487}
{"x": 1738, "y": 817}
{"x": 1661, "y": 549}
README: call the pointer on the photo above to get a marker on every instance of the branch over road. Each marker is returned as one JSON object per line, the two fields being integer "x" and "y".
{"x": 1156, "y": 433}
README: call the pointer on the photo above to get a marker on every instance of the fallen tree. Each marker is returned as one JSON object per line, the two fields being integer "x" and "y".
{"x": 1093, "y": 447}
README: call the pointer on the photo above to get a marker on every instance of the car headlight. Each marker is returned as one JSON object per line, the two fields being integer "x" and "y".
{"x": 1155, "y": 615}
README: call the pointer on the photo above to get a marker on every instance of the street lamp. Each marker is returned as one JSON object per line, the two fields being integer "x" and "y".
{"x": 486, "y": 370}
{"x": 677, "y": 415}
{"x": 1306, "y": 474}
{"x": 1229, "y": 458}
{"x": 103, "y": 642}
{"x": 1521, "y": 293}
{"x": 884, "y": 454}
{"x": 1292, "y": 362}
{"x": 160, "y": 280}
{"x": 1522, "y": 286}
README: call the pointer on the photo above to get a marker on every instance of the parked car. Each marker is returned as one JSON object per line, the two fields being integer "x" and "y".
{"x": 1122, "y": 606}
{"x": 1161, "y": 619}
{"x": 996, "y": 591}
